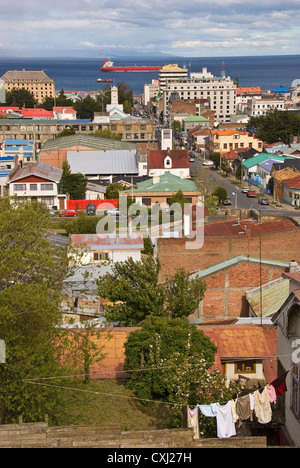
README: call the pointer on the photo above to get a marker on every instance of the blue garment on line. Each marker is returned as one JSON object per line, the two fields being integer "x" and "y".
{"x": 209, "y": 411}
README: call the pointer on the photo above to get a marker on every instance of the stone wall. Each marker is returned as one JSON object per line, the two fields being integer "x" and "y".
{"x": 40, "y": 435}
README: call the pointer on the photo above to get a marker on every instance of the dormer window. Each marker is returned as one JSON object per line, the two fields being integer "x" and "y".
{"x": 168, "y": 162}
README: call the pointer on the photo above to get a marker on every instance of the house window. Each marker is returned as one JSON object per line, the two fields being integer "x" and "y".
{"x": 20, "y": 187}
{"x": 246, "y": 367}
{"x": 33, "y": 187}
{"x": 46, "y": 187}
{"x": 100, "y": 256}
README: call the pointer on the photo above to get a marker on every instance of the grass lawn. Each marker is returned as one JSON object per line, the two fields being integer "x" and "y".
{"x": 85, "y": 407}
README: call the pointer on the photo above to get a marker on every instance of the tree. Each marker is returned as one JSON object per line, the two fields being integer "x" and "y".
{"x": 107, "y": 133}
{"x": 67, "y": 132}
{"x": 20, "y": 98}
{"x": 216, "y": 158}
{"x": 275, "y": 126}
{"x": 220, "y": 193}
{"x": 86, "y": 107}
{"x": 125, "y": 97}
{"x": 135, "y": 292}
{"x": 113, "y": 189}
{"x": 31, "y": 271}
{"x": 73, "y": 184}
{"x": 82, "y": 225}
{"x": 178, "y": 198}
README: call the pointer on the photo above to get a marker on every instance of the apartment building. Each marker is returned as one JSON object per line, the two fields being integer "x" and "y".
{"x": 256, "y": 107}
{"x": 40, "y": 131}
{"x": 171, "y": 72}
{"x": 221, "y": 141}
{"x": 36, "y": 82}
{"x": 220, "y": 91}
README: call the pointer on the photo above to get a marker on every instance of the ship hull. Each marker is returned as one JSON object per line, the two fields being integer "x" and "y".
{"x": 130, "y": 69}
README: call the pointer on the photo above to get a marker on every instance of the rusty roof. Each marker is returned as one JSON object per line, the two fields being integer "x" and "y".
{"x": 234, "y": 229}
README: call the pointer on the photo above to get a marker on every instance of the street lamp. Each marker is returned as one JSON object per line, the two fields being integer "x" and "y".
{"x": 235, "y": 195}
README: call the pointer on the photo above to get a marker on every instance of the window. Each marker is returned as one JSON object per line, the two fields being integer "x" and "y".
{"x": 33, "y": 187}
{"x": 46, "y": 187}
{"x": 19, "y": 187}
{"x": 100, "y": 256}
{"x": 246, "y": 367}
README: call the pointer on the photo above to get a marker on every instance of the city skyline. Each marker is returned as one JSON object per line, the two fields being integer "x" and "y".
{"x": 95, "y": 28}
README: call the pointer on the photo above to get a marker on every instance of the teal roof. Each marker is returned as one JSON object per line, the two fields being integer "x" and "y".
{"x": 165, "y": 183}
{"x": 90, "y": 141}
{"x": 195, "y": 118}
{"x": 234, "y": 261}
{"x": 259, "y": 158}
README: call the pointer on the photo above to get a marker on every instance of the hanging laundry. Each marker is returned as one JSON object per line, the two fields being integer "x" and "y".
{"x": 262, "y": 406}
{"x": 233, "y": 411}
{"x": 210, "y": 411}
{"x": 243, "y": 409}
{"x": 272, "y": 393}
{"x": 279, "y": 384}
{"x": 193, "y": 421}
{"x": 225, "y": 423}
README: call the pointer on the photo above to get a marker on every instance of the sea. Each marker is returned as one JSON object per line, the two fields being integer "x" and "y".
{"x": 81, "y": 74}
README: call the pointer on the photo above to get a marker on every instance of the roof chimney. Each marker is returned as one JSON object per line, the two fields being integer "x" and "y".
{"x": 293, "y": 266}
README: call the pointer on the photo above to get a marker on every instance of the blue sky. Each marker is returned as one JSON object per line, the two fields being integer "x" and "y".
{"x": 191, "y": 28}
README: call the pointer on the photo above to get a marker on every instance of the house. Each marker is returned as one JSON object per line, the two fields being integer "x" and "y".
{"x": 64, "y": 113}
{"x": 37, "y": 182}
{"x": 193, "y": 121}
{"x": 289, "y": 169}
{"x": 198, "y": 138}
{"x": 291, "y": 191}
{"x": 174, "y": 162}
{"x": 36, "y": 113}
{"x": 160, "y": 189}
{"x": 263, "y": 105}
{"x": 98, "y": 248}
{"x": 23, "y": 149}
{"x": 287, "y": 320}
{"x": 252, "y": 171}
{"x": 228, "y": 282}
{"x": 224, "y": 140}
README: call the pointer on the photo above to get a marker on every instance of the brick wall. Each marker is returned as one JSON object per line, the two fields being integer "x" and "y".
{"x": 225, "y": 296}
{"x": 279, "y": 245}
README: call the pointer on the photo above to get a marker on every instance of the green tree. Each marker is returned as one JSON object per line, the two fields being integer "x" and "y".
{"x": 31, "y": 271}
{"x": 20, "y": 98}
{"x": 82, "y": 225}
{"x": 86, "y": 107}
{"x": 113, "y": 190}
{"x": 73, "y": 184}
{"x": 216, "y": 158}
{"x": 276, "y": 126}
{"x": 67, "y": 132}
{"x": 107, "y": 133}
{"x": 125, "y": 97}
{"x": 220, "y": 193}
{"x": 135, "y": 291}
{"x": 178, "y": 198}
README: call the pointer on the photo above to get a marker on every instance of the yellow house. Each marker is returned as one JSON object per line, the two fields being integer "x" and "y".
{"x": 36, "y": 82}
{"x": 222, "y": 141}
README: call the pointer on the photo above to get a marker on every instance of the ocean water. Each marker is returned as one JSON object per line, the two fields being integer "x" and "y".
{"x": 268, "y": 72}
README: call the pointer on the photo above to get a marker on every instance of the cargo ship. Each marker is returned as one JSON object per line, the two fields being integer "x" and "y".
{"x": 108, "y": 66}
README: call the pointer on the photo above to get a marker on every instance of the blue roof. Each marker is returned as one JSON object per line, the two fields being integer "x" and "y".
{"x": 6, "y": 158}
{"x": 18, "y": 142}
{"x": 281, "y": 89}
{"x": 268, "y": 164}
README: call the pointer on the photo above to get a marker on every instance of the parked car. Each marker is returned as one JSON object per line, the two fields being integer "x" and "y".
{"x": 263, "y": 201}
{"x": 207, "y": 163}
{"x": 245, "y": 190}
{"x": 91, "y": 209}
{"x": 68, "y": 213}
{"x": 227, "y": 201}
{"x": 251, "y": 194}
{"x": 192, "y": 157}
{"x": 113, "y": 212}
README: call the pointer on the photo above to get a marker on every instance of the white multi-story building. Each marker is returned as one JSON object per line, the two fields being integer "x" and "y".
{"x": 171, "y": 72}
{"x": 150, "y": 91}
{"x": 261, "y": 106}
{"x": 220, "y": 91}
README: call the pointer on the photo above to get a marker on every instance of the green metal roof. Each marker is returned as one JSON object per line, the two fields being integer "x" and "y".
{"x": 165, "y": 183}
{"x": 259, "y": 158}
{"x": 90, "y": 141}
{"x": 195, "y": 118}
{"x": 272, "y": 297}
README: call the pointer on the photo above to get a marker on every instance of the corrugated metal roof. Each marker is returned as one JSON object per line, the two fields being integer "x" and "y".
{"x": 90, "y": 141}
{"x": 272, "y": 297}
{"x": 261, "y": 158}
{"x": 108, "y": 241}
{"x": 103, "y": 162}
{"x": 39, "y": 169}
{"x": 164, "y": 183}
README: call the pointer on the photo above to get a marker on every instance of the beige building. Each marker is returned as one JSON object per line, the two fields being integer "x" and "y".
{"x": 36, "y": 82}
{"x": 221, "y": 141}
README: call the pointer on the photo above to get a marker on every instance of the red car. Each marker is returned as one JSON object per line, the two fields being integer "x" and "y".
{"x": 68, "y": 213}
{"x": 251, "y": 193}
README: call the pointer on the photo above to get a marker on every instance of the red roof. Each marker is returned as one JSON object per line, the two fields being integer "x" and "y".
{"x": 106, "y": 241}
{"x": 36, "y": 112}
{"x": 293, "y": 183}
{"x": 5, "y": 109}
{"x": 180, "y": 159}
{"x": 233, "y": 229}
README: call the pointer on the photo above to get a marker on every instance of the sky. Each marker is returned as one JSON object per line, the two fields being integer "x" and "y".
{"x": 186, "y": 28}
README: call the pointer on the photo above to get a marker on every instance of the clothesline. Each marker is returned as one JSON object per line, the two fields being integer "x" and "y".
{"x": 240, "y": 409}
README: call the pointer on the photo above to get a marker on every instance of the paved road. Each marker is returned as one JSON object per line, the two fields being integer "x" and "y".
{"x": 239, "y": 199}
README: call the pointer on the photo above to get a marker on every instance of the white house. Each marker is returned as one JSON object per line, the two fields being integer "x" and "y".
{"x": 168, "y": 161}
{"x": 37, "y": 183}
{"x": 64, "y": 113}
{"x": 99, "y": 248}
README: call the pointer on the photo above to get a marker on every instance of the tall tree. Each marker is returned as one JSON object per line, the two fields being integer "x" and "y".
{"x": 135, "y": 291}
{"x": 73, "y": 184}
{"x": 20, "y": 98}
